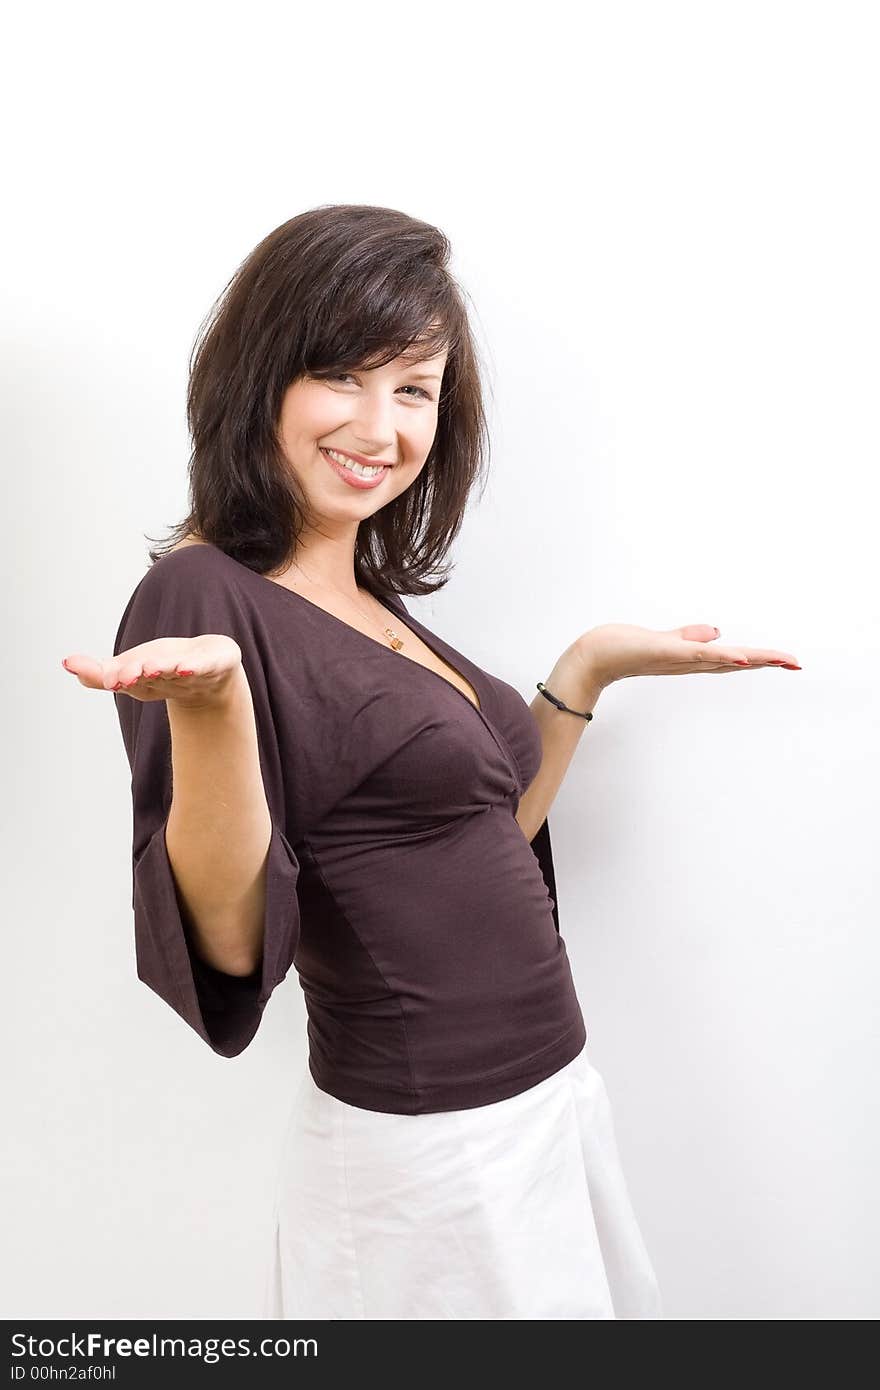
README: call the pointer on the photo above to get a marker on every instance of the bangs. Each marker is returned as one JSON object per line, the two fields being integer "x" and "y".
{"x": 412, "y": 315}
{"x": 343, "y": 287}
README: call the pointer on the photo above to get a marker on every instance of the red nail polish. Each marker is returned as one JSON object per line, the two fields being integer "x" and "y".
{"x": 186, "y": 673}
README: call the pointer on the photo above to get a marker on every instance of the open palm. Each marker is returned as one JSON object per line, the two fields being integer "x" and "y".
{"x": 617, "y": 650}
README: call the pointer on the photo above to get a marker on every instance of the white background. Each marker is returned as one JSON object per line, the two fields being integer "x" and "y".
{"x": 666, "y": 216}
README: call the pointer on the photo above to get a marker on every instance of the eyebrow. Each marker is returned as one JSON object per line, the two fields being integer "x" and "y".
{"x": 426, "y": 376}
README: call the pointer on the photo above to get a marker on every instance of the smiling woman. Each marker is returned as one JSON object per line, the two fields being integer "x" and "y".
{"x": 375, "y": 438}
{"x": 320, "y": 781}
{"x": 348, "y": 313}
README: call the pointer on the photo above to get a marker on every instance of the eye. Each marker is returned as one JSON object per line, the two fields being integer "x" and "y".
{"x": 340, "y": 376}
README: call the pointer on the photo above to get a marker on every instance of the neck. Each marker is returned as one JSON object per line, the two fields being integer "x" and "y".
{"x": 326, "y": 563}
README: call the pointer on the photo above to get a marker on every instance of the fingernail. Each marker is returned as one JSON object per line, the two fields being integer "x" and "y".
{"x": 717, "y": 631}
{"x": 740, "y": 661}
{"x": 185, "y": 673}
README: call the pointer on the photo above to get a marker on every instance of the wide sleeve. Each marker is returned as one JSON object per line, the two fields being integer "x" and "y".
{"x": 185, "y": 600}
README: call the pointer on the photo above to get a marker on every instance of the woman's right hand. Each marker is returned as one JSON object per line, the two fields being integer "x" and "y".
{"x": 190, "y": 670}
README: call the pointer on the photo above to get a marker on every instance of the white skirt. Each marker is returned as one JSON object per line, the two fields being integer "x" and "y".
{"x": 518, "y": 1209}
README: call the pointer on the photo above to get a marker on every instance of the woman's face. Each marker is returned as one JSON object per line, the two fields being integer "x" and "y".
{"x": 386, "y": 415}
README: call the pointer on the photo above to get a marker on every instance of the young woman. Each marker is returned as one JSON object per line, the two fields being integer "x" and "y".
{"x": 320, "y": 780}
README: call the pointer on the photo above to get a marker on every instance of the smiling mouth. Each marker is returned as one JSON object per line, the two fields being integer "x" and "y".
{"x": 355, "y": 466}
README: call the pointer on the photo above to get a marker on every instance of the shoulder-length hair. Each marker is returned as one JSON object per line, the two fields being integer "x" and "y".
{"x": 339, "y": 287}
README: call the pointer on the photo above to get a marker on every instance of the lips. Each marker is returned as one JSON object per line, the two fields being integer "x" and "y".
{"x": 352, "y": 478}
{"x": 361, "y": 458}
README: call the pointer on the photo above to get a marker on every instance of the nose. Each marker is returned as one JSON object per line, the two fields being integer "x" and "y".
{"x": 372, "y": 423}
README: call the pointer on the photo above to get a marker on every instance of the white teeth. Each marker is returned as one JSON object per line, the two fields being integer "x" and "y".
{"x": 357, "y": 468}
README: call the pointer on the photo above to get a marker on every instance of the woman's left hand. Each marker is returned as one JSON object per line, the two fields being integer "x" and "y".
{"x": 617, "y": 650}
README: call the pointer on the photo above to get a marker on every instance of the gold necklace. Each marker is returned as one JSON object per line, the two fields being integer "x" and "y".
{"x": 396, "y": 642}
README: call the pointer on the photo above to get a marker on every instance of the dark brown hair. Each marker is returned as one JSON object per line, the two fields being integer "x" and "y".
{"x": 338, "y": 288}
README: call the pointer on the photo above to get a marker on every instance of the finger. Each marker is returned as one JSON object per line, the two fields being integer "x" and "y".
{"x": 151, "y": 670}
{"x": 768, "y": 657}
{"x": 774, "y": 658}
{"x": 701, "y": 654}
{"x": 739, "y": 657}
{"x": 169, "y": 672}
{"x": 127, "y": 675}
{"x": 697, "y": 656}
{"x": 134, "y": 674}
{"x": 87, "y": 669}
{"x": 725, "y": 661}
{"x": 752, "y": 660}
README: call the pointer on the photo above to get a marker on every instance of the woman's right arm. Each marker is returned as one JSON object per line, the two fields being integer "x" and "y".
{"x": 219, "y": 826}
{"x": 214, "y": 875}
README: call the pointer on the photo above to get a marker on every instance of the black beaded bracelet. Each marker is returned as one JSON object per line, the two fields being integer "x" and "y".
{"x": 559, "y": 703}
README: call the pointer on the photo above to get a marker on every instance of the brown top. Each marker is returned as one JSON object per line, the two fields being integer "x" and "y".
{"x": 422, "y": 924}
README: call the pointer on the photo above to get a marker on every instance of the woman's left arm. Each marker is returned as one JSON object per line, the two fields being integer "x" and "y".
{"x": 573, "y": 681}
{"x": 610, "y": 653}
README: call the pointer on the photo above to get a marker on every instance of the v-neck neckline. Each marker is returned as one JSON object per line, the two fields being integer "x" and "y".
{"x": 478, "y": 687}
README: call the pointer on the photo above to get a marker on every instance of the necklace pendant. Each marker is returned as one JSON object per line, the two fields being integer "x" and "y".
{"x": 395, "y": 641}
